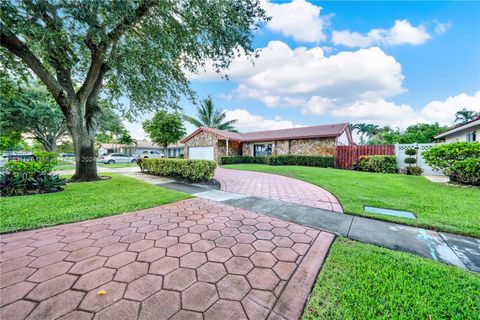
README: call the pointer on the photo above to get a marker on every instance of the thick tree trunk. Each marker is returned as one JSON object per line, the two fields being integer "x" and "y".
{"x": 83, "y": 143}
{"x": 85, "y": 160}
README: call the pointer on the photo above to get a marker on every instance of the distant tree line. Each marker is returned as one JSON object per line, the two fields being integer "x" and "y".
{"x": 421, "y": 133}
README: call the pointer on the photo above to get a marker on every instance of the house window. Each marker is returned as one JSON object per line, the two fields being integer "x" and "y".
{"x": 472, "y": 136}
{"x": 262, "y": 150}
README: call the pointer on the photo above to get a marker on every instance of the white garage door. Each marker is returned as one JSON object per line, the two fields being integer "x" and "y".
{"x": 202, "y": 153}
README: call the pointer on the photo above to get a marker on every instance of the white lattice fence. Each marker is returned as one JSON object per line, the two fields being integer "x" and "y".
{"x": 400, "y": 154}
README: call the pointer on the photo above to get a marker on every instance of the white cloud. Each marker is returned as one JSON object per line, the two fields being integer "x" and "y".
{"x": 388, "y": 113}
{"x": 250, "y": 122}
{"x": 442, "y": 27}
{"x": 401, "y": 33}
{"x": 444, "y": 111}
{"x": 298, "y": 19}
{"x": 282, "y": 76}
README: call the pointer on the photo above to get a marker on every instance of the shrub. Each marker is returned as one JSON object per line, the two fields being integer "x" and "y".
{"x": 414, "y": 171}
{"x": 411, "y": 151}
{"x": 283, "y": 160}
{"x": 459, "y": 160}
{"x": 244, "y": 159}
{"x": 385, "y": 164}
{"x": 193, "y": 170}
{"x": 410, "y": 160}
{"x": 299, "y": 160}
{"x": 17, "y": 183}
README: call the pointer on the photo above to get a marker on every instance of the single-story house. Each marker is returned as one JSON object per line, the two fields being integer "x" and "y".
{"x": 141, "y": 147}
{"x": 212, "y": 144}
{"x": 469, "y": 131}
{"x": 105, "y": 148}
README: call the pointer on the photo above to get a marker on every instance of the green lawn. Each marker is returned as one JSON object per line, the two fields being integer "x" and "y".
{"x": 362, "y": 281}
{"x": 82, "y": 201}
{"x": 437, "y": 206}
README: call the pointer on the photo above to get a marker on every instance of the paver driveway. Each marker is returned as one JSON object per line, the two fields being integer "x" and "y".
{"x": 273, "y": 186}
{"x": 195, "y": 259}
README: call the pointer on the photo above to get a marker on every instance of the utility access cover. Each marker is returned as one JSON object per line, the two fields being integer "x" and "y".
{"x": 390, "y": 212}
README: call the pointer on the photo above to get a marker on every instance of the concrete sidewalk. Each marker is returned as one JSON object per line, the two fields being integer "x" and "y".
{"x": 460, "y": 251}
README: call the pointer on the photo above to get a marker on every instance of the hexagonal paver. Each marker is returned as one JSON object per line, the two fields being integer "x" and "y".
{"x": 151, "y": 254}
{"x": 122, "y": 309}
{"x": 164, "y": 265}
{"x": 52, "y": 287}
{"x": 225, "y": 242}
{"x": 219, "y": 255}
{"x": 211, "y": 272}
{"x": 131, "y": 271}
{"x": 94, "y": 302}
{"x": 57, "y": 306}
{"x": 141, "y": 245}
{"x": 263, "y": 245}
{"x": 155, "y": 262}
{"x": 187, "y": 315}
{"x": 239, "y": 265}
{"x": 263, "y": 259}
{"x": 121, "y": 259}
{"x": 242, "y": 250}
{"x": 162, "y": 305}
{"x": 193, "y": 260}
{"x": 203, "y": 245}
{"x": 285, "y": 254}
{"x": 178, "y": 250}
{"x": 233, "y": 287}
{"x": 144, "y": 287}
{"x": 189, "y": 238}
{"x": 166, "y": 242}
{"x": 88, "y": 265}
{"x": 199, "y": 297}
{"x": 284, "y": 269}
{"x": 50, "y": 271}
{"x": 93, "y": 279}
{"x": 179, "y": 279}
{"x": 264, "y": 279}
{"x": 224, "y": 309}
{"x": 113, "y": 249}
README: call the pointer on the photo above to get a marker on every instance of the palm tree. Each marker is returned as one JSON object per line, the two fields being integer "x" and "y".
{"x": 362, "y": 130}
{"x": 465, "y": 115}
{"x": 211, "y": 117}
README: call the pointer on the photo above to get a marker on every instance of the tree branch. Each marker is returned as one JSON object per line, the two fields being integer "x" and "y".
{"x": 13, "y": 44}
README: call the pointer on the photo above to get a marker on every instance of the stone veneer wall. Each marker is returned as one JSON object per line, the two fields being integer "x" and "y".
{"x": 234, "y": 148}
{"x": 203, "y": 139}
{"x": 311, "y": 147}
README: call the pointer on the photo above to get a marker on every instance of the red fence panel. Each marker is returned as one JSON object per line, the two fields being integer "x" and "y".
{"x": 347, "y": 156}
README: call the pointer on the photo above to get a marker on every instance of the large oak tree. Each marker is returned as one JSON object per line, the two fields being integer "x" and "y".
{"x": 138, "y": 49}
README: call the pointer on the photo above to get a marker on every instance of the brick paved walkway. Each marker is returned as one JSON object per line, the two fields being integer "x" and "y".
{"x": 195, "y": 259}
{"x": 273, "y": 186}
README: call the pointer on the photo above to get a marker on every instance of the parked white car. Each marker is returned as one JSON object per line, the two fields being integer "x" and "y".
{"x": 111, "y": 158}
{"x": 150, "y": 154}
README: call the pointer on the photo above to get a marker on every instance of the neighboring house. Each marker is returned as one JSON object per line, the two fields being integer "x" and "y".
{"x": 212, "y": 144}
{"x": 469, "y": 131}
{"x": 143, "y": 147}
{"x": 105, "y": 148}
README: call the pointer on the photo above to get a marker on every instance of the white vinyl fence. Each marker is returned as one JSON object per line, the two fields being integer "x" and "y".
{"x": 400, "y": 154}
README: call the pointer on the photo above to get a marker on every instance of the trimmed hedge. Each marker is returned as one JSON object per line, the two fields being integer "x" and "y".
{"x": 459, "y": 160}
{"x": 384, "y": 164}
{"x": 193, "y": 170}
{"x": 283, "y": 160}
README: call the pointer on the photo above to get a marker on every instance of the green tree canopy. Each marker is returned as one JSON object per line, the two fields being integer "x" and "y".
{"x": 141, "y": 50}
{"x": 417, "y": 133}
{"x": 31, "y": 110}
{"x": 165, "y": 128}
{"x": 211, "y": 117}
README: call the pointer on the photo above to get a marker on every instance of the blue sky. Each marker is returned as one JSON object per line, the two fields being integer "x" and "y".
{"x": 395, "y": 63}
